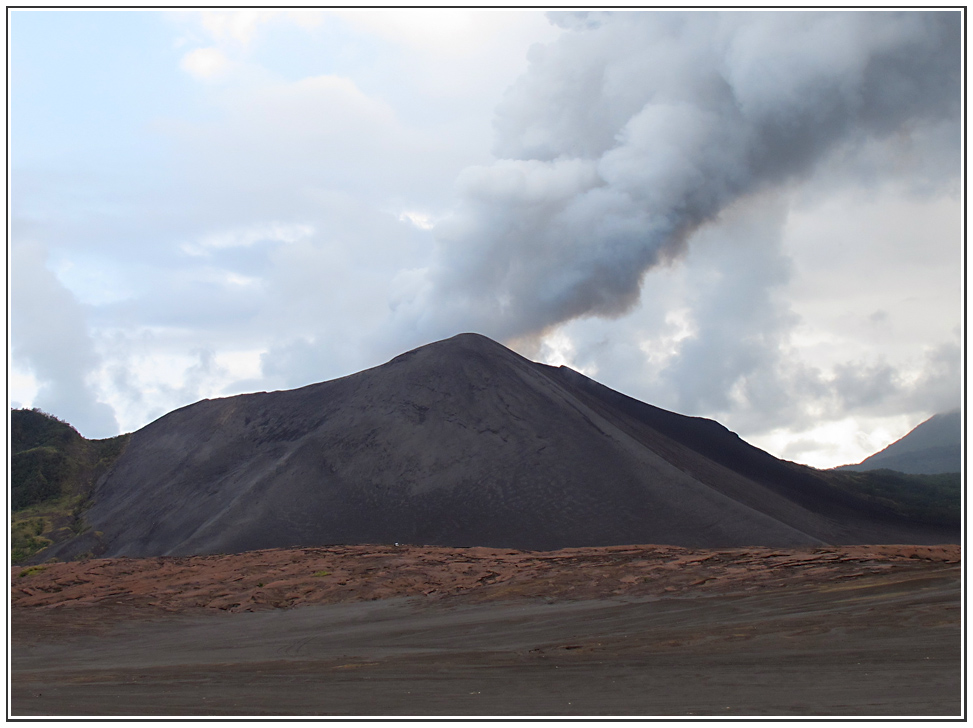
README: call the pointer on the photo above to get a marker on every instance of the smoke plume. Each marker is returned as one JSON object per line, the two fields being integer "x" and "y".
{"x": 634, "y": 129}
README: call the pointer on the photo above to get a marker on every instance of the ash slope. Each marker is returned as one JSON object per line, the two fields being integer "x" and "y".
{"x": 461, "y": 442}
{"x": 934, "y": 446}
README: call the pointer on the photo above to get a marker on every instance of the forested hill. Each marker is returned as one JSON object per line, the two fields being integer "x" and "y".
{"x": 52, "y": 472}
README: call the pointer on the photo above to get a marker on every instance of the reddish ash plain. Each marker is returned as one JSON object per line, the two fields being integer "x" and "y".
{"x": 285, "y": 578}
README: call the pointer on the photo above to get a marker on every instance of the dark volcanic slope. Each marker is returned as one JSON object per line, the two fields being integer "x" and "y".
{"x": 933, "y": 446}
{"x": 461, "y": 442}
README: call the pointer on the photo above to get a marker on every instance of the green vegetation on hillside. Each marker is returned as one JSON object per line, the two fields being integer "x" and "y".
{"x": 932, "y": 499}
{"x": 37, "y": 475}
{"x": 53, "y": 470}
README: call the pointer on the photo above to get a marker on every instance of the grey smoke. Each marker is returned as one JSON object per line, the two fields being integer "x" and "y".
{"x": 735, "y": 352}
{"x": 634, "y": 129}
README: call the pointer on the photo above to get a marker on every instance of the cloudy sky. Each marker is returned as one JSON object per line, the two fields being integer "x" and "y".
{"x": 754, "y": 217}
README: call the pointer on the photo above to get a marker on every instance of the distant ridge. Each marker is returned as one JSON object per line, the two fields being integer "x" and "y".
{"x": 932, "y": 447}
{"x": 462, "y": 443}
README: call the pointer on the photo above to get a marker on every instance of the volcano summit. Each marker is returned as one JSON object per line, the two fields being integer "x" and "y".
{"x": 461, "y": 443}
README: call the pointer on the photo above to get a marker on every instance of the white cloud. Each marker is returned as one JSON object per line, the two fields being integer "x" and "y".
{"x": 230, "y": 35}
{"x": 51, "y": 341}
{"x": 837, "y": 442}
{"x": 205, "y": 63}
{"x": 234, "y": 279}
{"x": 421, "y": 220}
{"x": 272, "y": 143}
{"x": 557, "y": 349}
{"x": 874, "y": 270}
{"x": 248, "y": 236}
{"x": 22, "y": 386}
{"x": 93, "y": 281}
{"x": 664, "y": 346}
{"x": 445, "y": 33}
{"x": 239, "y": 26}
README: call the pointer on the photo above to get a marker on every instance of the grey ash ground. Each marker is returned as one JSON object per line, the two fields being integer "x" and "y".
{"x": 375, "y": 631}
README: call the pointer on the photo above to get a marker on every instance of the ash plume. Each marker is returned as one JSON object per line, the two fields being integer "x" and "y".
{"x": 632, "y": 130}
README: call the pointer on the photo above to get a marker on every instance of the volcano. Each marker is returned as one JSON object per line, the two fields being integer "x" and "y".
{"x": 461, "y": 443}
{"x": 933, "y": 446}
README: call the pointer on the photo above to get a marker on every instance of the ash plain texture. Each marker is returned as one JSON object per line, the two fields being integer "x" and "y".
{"x": 416, "y": 631}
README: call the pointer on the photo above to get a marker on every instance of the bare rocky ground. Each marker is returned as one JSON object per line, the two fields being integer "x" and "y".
{"x": 421, "y": 631}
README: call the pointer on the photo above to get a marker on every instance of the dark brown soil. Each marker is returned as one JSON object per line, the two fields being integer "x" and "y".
{"x": 393, "y": 631}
